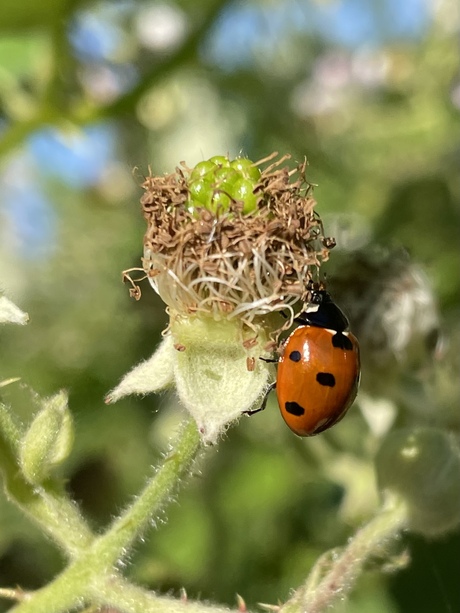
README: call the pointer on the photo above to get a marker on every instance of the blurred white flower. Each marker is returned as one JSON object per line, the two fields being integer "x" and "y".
{"x": 370, "y": 67}
{"x": 332, "y": 70}
{"x": 161, "y": 27}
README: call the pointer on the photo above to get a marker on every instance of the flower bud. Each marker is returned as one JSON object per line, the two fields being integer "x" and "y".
{"x": 49, "y": 439}
{"x": 422, "y": 466}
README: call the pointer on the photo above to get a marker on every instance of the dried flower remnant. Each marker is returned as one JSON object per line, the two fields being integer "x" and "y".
{"x": 226, "y": 245}
{"x": 232, "y": 262}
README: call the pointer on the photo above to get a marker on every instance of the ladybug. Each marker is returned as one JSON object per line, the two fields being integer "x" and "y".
{"x": 319, "y": 370}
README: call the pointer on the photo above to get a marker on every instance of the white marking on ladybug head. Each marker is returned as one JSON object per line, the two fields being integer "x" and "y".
{"x": 311, "y": 308}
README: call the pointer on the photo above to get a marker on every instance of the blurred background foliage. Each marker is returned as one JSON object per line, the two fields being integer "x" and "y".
{"x": 369, "y": 91}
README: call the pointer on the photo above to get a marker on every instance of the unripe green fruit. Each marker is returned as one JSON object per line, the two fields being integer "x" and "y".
{"x": 243, "y": 190}
{"x": 422, "y": 466}
{"x": 199, "y": 192}
{"x": 220, "y": 160}
{"x": 223, "y": 177}
{"x": 222, "y": 187}
{"x": 246, "y": 168}
{"x": 216, "y": 183}
{"x": 201, "y": 169}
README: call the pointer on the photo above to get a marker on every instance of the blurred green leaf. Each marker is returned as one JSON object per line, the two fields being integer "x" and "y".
{"x": 15, "y": 16}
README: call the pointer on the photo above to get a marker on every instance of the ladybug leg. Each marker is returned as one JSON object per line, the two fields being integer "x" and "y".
{"x": 264, "y": 401}
{"x": 269, "y": 360}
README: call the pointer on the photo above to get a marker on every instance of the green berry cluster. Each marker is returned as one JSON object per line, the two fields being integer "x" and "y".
{"x": 216, "y": 183}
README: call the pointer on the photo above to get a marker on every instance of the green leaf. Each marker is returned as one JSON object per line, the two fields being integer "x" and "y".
{"x": 16, "y": 16}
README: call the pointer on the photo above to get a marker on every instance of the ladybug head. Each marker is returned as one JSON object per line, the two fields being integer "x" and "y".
{"x": 319, "y": 296}
{"x": 322, "y": 312}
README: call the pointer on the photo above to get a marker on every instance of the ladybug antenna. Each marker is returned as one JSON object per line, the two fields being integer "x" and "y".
{"x": 313, "y": 287}
{"x": 322, "y": 284}
{"x": 317, "y": 285}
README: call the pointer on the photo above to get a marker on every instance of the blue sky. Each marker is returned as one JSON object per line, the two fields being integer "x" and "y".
{"x": 351, "y": 23}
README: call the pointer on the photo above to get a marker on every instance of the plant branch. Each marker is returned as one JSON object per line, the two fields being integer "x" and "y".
{"x": 133, "y": 522}
{"x": 189, "y": 49}
{"x": 318, "y": 594}
{"x": 85, "y": 579}
{"x": 17, "y": 132}
{"x": 123, "y": 595}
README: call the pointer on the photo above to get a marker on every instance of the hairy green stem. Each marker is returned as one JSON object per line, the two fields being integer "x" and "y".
{"x": 65, "y": 593}
{"x": 129, "y": 598}
{"x": 85, "y": 579}
{"x": 136, "y": 518}
{"x": 49, "y": 507}
{"x": 318, "y": 595}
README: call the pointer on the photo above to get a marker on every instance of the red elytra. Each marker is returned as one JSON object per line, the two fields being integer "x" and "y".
{"x": 318, "y": 378}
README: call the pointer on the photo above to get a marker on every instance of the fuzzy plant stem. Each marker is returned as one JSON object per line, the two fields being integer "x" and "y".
{"x": 84, "y": 580}
{"x": 325, "y": 588}
{"x": 129, "y": 598}
{"x": 115, "y": 543}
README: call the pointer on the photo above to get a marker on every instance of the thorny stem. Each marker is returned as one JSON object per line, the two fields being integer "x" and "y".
{"x": 121, "y": 594}
{"x": 371, "y": 540}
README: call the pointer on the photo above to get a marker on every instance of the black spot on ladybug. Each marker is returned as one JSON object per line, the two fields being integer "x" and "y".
{"x": 341, "y": 341}
{"x": 326, "y": 378}
{"x": 294, "y": 409}
{"x": 295, "y": 356}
